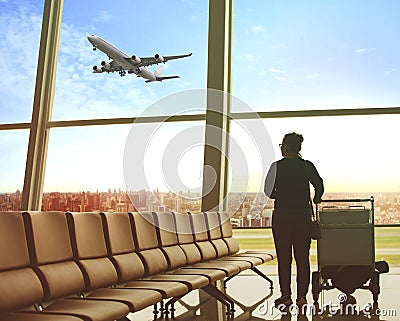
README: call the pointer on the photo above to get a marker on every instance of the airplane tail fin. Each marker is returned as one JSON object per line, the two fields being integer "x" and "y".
{"x": 158, "y": 73}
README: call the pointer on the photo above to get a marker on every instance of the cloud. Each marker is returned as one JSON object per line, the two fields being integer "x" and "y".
{"x": 276, "y": 70}
{"x": 364, "y": 50}
{"x": 282, "y": 61}
{"x": 312, "y": 76}
{"x": 197, "y": 14}
{"x": 257, "y": 29}
{"x": 249, "y": 58}
{"x": 283, "y": 79}
{"x": 103, "y": 16}
{"x": 194, "y": 18}
{"x": 190, "y": 2}
{"x": 387, "y": 72}
{"x": 279, "y": 46}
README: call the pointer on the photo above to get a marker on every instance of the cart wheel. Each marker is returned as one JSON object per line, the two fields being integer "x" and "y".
{"x": 374, "y": 286}
{"x": 316, "y": 276}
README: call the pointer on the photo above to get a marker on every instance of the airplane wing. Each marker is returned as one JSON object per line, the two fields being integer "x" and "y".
{"x": 148, "y": 61}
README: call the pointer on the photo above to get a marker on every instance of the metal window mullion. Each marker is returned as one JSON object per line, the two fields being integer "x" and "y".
{"x": 42, "y": 105}
{"x": 217, "y": 121}
{"x": 229, "y": 29}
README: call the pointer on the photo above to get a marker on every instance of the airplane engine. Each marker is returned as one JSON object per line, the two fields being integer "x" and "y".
{"x": 136, "y": 60}
{"x": 159, "y": 58}
{"x": 105, "y": 66}
{"x": 97, "y": 69}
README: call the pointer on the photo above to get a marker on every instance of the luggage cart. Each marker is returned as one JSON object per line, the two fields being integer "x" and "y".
{"x": 347, "y": 244}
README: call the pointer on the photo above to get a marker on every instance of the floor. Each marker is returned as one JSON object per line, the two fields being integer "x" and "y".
{"x": 254, "y": 301}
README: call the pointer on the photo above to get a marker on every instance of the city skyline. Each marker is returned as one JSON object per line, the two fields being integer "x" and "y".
{"x": 246, "y": 209}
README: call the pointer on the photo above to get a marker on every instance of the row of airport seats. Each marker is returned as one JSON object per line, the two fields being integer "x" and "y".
{"x": 103, "y": 266}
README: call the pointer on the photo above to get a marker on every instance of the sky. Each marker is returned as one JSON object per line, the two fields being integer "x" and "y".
{"x": 287, "y": 55}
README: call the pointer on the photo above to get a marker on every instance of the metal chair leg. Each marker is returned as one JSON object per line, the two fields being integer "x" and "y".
{"x": 221, "y": 297}
{"x": 271, "y": 284}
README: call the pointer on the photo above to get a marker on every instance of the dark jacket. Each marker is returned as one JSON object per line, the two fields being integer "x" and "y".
{"x": 288, "y": 180}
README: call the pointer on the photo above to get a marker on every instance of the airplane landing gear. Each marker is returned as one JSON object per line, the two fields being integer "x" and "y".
{"x": 94, "y": 48}
{"x": 122, "y": 73}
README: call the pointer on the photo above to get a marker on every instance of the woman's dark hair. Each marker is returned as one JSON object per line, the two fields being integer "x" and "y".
{"x": 293, "y": 142}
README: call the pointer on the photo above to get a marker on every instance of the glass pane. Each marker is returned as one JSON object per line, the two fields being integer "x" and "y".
{"x": 138, "y": 28}
{"x": 85, "y": 159}
{"x": 294, "y": 55}
{"x": 355, "y": 155}
{"x": 85, "y": 169}
{"x": 20, "y": 25}
{"x": 14, "y": 145}
{"x": 165, "y": 159}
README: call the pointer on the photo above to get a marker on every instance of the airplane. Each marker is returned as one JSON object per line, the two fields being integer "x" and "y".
{"x": 123, "y": 63}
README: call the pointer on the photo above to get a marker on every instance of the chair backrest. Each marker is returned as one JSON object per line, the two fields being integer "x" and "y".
{"x": 19, "y": 284}
{"x": 90, "y": 251}
{"x": 145, "y": 235}
{"x": 168, "y": 240}
{"x": 200, "y": 232}
{"x": 186, "y": 238}
{"x": 183, "y": 228}
{"x": 215, "y": 234}
{"x": 121, "y": 246}
{"x": 227, "y": 234}
{"x": 51, "y": 253}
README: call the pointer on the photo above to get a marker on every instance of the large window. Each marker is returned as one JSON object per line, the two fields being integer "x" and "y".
{"x": 293, "y": 58}
{"x": 167, "y": 162}
{"x": 304, "y": 55}
{"x": 20, "y": 23}
{"x": 150, "y": 167}
{"x": 94, "y": 167}
{"x": 138, "y": 28}
{"x": 355, "y": 156}
{"x": 79, "y": 152}
{"x": 85, "y": 158}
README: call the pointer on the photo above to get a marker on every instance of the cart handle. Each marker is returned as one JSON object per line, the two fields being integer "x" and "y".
{"x": 350, "y": 200}
{"x": 371, "y": 199}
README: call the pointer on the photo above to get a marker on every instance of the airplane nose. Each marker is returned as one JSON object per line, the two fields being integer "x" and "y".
{"x": 91, "y": 38}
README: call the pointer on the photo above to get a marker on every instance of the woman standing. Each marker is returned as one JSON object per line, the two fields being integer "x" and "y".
{"x": 287, "y": 182}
